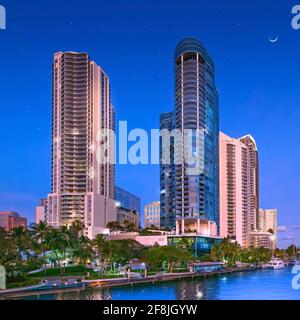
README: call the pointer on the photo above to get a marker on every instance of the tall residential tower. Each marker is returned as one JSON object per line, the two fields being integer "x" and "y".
{"x": 185, "y": 197}
{"x": 82, "y": 186}
{"x": 239, "y": 196}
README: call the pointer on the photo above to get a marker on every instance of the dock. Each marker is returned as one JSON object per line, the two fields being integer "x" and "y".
{"x": 118, "y": 282}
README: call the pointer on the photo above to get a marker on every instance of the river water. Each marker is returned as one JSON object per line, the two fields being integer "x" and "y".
{"x": 260, "y": 284}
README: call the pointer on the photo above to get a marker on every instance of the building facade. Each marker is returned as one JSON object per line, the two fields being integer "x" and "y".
{"x": 167, "y": 175}
{"x": 82, "y": 182}
{"x": 197, "y": 245}
{"x": 254, "y": 181}
{"x": 128, "y": 206}
{"x": 196, "y": 107}
{"x": 41, "y": 211}
{"x": 268, "y": 221}
{"x": 239, "y": 196}
{"x": 10, "y": 220}
{"x": 128, "y": 200}
{"x": 259, "y": 239}
{"x": 152, "y": 215}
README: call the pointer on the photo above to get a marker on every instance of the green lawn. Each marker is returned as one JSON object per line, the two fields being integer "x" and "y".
{"x": 24, "y": 283}
{"x": 76, "y": 271}
{"x": 70, "y": 271}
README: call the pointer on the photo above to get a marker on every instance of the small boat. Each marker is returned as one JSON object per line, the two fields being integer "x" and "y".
{"x": 266, "y": 266}
{"x": 292, "y": 262}
{"x": 277, "y": 263}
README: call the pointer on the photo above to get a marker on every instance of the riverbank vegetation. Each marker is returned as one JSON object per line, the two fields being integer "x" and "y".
{"x": 61, "y": 252}
{"x": 41, "y": 251}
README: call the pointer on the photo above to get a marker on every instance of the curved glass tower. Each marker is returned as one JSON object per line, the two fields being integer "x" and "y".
{"x": 196, "y": 107}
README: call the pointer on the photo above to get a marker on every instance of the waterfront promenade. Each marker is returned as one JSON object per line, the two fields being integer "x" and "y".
{"x": 54, "y": 285}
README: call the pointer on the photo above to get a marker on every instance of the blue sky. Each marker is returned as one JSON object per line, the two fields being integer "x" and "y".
{"x": 134, "y": 41}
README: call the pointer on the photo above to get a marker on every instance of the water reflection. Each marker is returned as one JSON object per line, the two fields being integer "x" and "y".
{"x": 195, "y": 290}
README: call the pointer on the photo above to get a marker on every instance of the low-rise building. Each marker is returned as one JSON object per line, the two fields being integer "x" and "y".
{"x": 197, "y": 245}
{"x": 10, "y": 220}
{"x": 262, "y": 239}
{"x": 150, "y": 241}
{"x": 128, "y": 206}
{"x": 196, "y": 226}
{"x": 199, "y": 267}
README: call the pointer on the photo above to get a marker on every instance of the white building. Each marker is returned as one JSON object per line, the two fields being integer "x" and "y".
{"x": 239, "y": 191}
{"x": 41, "y": 212}
{"x": 82, "y": 186}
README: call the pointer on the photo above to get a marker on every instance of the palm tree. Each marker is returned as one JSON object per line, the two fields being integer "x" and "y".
{"x": 84, "y": 252}
{"x": 99, "y": 243}
{"x": 114, "y": 226}
{"x": 129, "y": 226}
{"x": 39, "y": 232}
{"x": 226, "y": 251}
{"x": 291, "y": 251}
{"x": 23, "y": 241}
{"x": 76, "y": 229}
{"x": 66, "y": 240}
{"x": 59, "y": 241}
{"x": 110, "y": 247}
{"x": 184, "y": 243}
{"x": 216, "y": 253}
{"x": 8, "y": 251}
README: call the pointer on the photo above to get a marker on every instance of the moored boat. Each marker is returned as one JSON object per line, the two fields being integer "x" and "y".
{"x": 276, "y": 263}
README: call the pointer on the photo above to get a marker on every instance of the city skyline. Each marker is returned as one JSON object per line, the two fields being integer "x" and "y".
{"x": 24, "y": 183}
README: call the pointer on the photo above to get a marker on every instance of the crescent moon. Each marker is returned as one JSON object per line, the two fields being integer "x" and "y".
{"x": 274, "y": 40}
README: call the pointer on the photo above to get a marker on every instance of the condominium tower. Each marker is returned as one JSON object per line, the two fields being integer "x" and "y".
{"x": 239, "y": 197}
{"x": 152, "y": 215}
{"x": 196, "y": 106}
{"x": 82, "y": 185}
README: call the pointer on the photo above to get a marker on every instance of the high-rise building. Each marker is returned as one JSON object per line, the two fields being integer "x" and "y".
{"x": 82, "y": 185}
{"x": 239, "y": 196}
{"x": 10, "y": 220}
{"x": 41, "y": 212}
{"x": 128, "y": 206}
{"x": 185, "y": 196}
{"x": 167, "y": 176}
{"x": 254, "y": 181}
{"x": 268, "y": 222}
{"x": 152, "y": 215}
